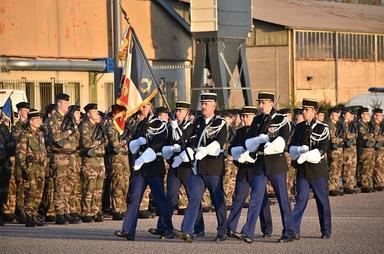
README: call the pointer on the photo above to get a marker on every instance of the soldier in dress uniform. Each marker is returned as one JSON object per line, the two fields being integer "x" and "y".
{"x": 243, "y": 180}
{"x": 31, "y": 156}
{"x": 335, "y": 153}
{"x": 308, "y": 148}
{"x": 265, "y": 143}
{"x": 208, "y": 171}
{"x": 146, "y": 145}
{"x": 175, "y": 152}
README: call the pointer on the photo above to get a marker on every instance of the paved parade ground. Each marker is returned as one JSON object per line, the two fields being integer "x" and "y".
{"x": 358, "y": 227}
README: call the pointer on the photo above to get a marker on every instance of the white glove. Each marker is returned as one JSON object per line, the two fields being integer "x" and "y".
{"x": 138, "y": 164}
{"x": 148, "y": 156}
{"x": 177, "y": 161}
{"x": 213, "y": 148}
{"x": 296, "y": 151}
{"x": 183, "y": 157}
{"x": 252, "y": 144}
{"x": 275, "y": 147}
{"x": 174, "y": 124}
{"x": 312, "y": 156}
{"x": 236, "y": 152}
{"x": 201, "y": 153}
{"x": 168, "y": 151}
{"x": 245, "y": 157}
{"x": 176, "y": 148}
{"x": 135, "y": 144}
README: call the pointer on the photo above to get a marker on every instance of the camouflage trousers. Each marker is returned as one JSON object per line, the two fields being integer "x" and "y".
{"x": 47, "y": 206}
{"x": 183, "y": 198}
{"x": 33, "y": 189}
{"x": 15, "y": 190}
{"x": 74, "y": 199}
{"x": 378, "y": 174}
{"x": 119, "y": 183}
{"x": 291, "y": 176}
{"x": 367, "y": 160}
{"x": 335, "y": 161}
{"x": 349, "y": 167}
{"x": 64, "y": 168}
{"x": 229, "y": 180}
{"x": 92, "y": 172}
{"x": 5, "y": 175}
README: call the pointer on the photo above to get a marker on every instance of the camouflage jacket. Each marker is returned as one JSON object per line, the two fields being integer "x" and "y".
{"x": 31, "y": 150}
{"x": 17, "y": 129}
{"x": 116, "y": 144}
{"x": 61, "y": 142}
{"x": 366, "y": 137}
{"x": 336, "y": 140}
{"x": 88, "y": 145}
{"x": 379, "y": 135}
{"x": 349, "y": 134}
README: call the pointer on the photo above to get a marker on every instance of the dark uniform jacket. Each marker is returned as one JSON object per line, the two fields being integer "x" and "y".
{"x": 316, "y": 136}
{"x": 274, "y": 125}
{"x": 155, "y": 132}
{"x": 214, "y": 130}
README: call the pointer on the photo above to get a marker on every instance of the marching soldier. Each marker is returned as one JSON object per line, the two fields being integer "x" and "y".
{"x": 31, "y": 156}
{"x": 92, "y": 149}
{"x": 335, "y": 153}
{"x": 118, "y": 147}
{"x": 64, "y": 140}
{"x": 146, "y": 145}
{"x": 265, "y": 143}
{"x": 208, "y": 172}
{"x": 244, "y": 181}
{"x": 366, "y": 143}
{"x": 350, "y": 152}
{"x": 308, "y": 148}
{"x": 378, "y": 173}
{"x": 16, "y": 191}
{"x": 180, "y": 163}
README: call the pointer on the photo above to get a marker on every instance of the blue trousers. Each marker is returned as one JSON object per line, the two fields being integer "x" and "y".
{"x": 136, "y": 190}
{"x": 197, "y": 185}
{"x": 173, "y": 189}
{"x": 320, "y": 191}
{"x": 241, "y": 192}
{"x": 258, "y": 184}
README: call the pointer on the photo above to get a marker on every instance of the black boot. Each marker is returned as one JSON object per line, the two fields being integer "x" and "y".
{"x": 20, "y": 216}
{"x": 117, "y": 216}
{"x": 70, "y": 219}
{"x": 1, "y": 219}
{"x": 99, "y": 217}
{"x": 60, "y": 220}
{"x": 30, "y": 221}
{"x": 50, "y": 218}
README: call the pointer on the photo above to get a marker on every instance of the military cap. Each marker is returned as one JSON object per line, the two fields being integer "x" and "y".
{"x": 50, "y": 107}
{"x": 321, "y": 110}
{"x": 248, "y": 110}
{"x": 309, "y": 103}
{"x": 208, "y": 97}
{"x": 284, "y": 111}
{"x": 90, "y": 106}
{"x": 22, "y": 104}
{"x": 33, "y": 113}
{"x": 262, "y": 96}
{"x": 62, "y": 96}
{"x": 183, "y": 105}
{"x": 377, "y": 110}
{"x": 77, "y": 107}
{"x": 161, "y": 110}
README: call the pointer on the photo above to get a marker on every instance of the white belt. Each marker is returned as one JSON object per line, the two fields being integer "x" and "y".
{"x": 157, "y": 154}
{"x": 221, "y": 150}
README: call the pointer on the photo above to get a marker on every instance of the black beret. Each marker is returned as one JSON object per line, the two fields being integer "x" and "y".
{"x": 62, "y": 96}
{"x": 77, "y": 107}
{"x": 90, "y": 106}
{"x": 297, "y": 111}
{"x": 33, "y": 113}
{"x": 363, "y": 110}
{"x": 208, "y": 97}
{"x": 309, "y": 103}
{"x": 161, "y": 110}
{"x": 183, "y": 105}
{"x": 247, "y": 110}
{"x": 334, "y": 110}
{"x": 266, "y": 96}
{"x": 226, "y": 114}
{"x": 349, "y": 110}
{"x": 50, "y": 107}
{"x": 377, "y": 110}
{"x": 284, "y": 111}
{"x": 22, "y": 104}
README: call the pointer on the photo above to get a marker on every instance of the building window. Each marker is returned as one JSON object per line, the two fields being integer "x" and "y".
{"x": 314, "y": 45}
{"x": 356, "y": 47}
{"x": 109, "y": 93}
{"x": 380, "y": 48}
{"x": 30, "y": 93}
{"x": 48, "y": 90}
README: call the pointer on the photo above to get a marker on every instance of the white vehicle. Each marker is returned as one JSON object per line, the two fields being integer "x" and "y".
{"x": 17, "y": 96}
{"x": 374, "y": 98}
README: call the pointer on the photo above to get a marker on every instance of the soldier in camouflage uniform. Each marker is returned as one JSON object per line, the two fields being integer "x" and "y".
{"x": 7, "y": 147}
{"x": 31, "y": 156}
{"x": 350, "y": 152}
{"x": 117, "y": 145}
{"x": 15, "y": 204}
{"x": 64, "y": 138}
{"x": 92, "y": 147}
{"x": 366, "y": 142}
{"x": 47, "y": 206}
{"x": 335, "y": 153}
{"x": 378, "y": 173}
